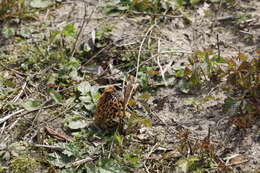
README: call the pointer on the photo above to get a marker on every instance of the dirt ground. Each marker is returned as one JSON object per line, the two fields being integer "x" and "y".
{"x": 172, "y": 111}
{"x": 183, "y": 39}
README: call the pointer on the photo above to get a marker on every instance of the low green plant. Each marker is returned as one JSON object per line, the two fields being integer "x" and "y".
{"x": 203, "y": 67}
{"x": 240, "y": 75}
{"x": 197, "y": 156}
{"x": 11, "y": 8}
{"x": 102, "y": 35}
{"x": 20, "y": 8}
{"x": 243, "y": 79}
{"x": 24, "y": 164}
{"x": 151, "y": 6}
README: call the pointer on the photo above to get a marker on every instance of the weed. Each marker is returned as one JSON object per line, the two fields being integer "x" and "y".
{"x": 152, "y": 6}
{"x": 24, "y": 164}
{"x": 197, "y": 155}
{"x": 203, "y": 68}
{"x": 244, "y": 80}
{"x": 242, "y": 74}
{"x": 15, "y": 9}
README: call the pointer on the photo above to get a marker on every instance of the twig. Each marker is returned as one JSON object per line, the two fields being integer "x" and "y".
{"x": 162, "y": 52}
{"x": 3, "y": 128}
{"x": 139, "y": 52}
{"x": 177, "y": 51}
{"x": 159, "y": 64}
{"x": 110, "y": 150}
{"x": 10, "y": 115}
{"x": 218, "y": 46}
{"x": 164, "y": 15}
{"x": 148, "y": 155}
{"x": 68, "y": 108}
{"x": 14, "y": 123}
{"x": 85, "y": 22}
{"x": 104, "y": 86}
{"x": 23, "y": 112}
{"x": 40, "y": 109}
{"x": 94, "y": 56}
{"x": 52, "y": 147}
{"x": 225, "y": 18}
{"x": 146, "y": 169}
{"x": 79, "y": 162}
{"x": 20, "y": 93}
{"x": 36, "y": 118}
{"x": 22, "y": 74}
{"x": 245, "y": 32}
{"x": 56, "y": 135}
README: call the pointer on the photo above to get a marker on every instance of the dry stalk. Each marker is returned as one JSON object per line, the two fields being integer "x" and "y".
{"x": 140, "y": 49}
{"x": 159, "y": 64}
{"x": 20, "y": 93}
{"x": 86, "y": 20}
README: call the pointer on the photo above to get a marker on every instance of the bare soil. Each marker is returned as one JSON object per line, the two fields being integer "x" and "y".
{"x": 172, "y": 111}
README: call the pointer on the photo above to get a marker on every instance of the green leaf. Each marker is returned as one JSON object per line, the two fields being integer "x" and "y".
{"x": 57, "y": 160}
{"x": 31, "y": 105}
{"x": 69, "y": 30}
{"x": 89, "y": 107}
{"x": 8, "y": 32}
{"x": 18, "y": 148}
{"x": 9, "y": 83}
{"x": 218, "y": 59}
{"x": 40, "y": 3}
{"x": 69, "y": 101}
{"x": 77, "y": 124}
{"x": 86, "y": 99}
{"x": 56, "y": 96}
{"x": 118, "y": 139}
{"x": 179, "y": 73}
{"x": 207, "y": 98}
{"x": 147, "y": 123}
{"x": 180, "y": 3}
{"x": 84, "y": 88}
{"x": 187, "y": 164}
{"x": 109, "y": 166}
{"x": 53, "y": 35}
{"x": 94, "y": 90}
{"x": 101, "y": 170}
{"x": 184, "y": 86}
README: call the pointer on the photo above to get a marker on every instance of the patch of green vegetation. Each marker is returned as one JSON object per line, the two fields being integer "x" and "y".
{"x": 150, "y": 6}
{"x": 203, "y": 154}
{"x": 12, "y": 8}
{"x": 114, "y": 153}
{"x": 23, "y": 164}
{"x": 203, "y": 68}
{"x": 37, "y": 61}
{"x": 136, "y": 5}
{"x": 240, "y": 75}
{"x": 21, "y": 8}
{"x": 243, "y": 80}
{"x": 49, "y": 70}
{"x": 88, "y": 96}
{"x": 102, "y": 35}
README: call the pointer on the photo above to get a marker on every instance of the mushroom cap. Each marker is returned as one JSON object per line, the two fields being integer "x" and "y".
{"x": 109, "y": 89}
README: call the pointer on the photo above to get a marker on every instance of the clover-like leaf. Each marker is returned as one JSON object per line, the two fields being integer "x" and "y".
{"x": 40, "y": 3}
{"x": 56, "y": 96}
{"x": 86, "y": 99}
{"x": 30, "y": 105}
{"x": 84, "y": 88}
{"x": 77, "y": 124}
